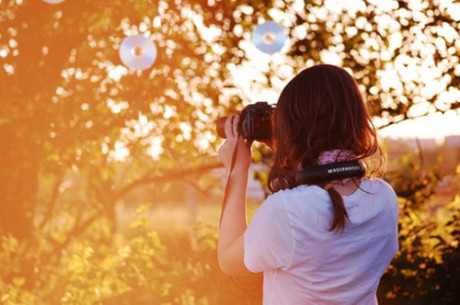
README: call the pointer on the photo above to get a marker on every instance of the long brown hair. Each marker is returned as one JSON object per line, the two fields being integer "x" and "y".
{"x": 320, "y": 109}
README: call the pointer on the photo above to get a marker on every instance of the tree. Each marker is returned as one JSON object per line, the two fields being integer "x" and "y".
{"x": 403, "y": 54}
{"x": 69, "y": 108}
{"x": 67, "y": 102}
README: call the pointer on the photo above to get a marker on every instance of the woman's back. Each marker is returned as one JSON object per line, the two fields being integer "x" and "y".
{"x": 315, "y": 245}
{"x": 305, "y": 263}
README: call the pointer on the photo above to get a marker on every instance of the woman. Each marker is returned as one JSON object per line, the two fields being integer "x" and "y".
{"x": 328, "y": 243}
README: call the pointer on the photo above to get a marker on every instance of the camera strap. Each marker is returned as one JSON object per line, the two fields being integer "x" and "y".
{"x": 331, "y": 171}
{"x": 238, "y": 283}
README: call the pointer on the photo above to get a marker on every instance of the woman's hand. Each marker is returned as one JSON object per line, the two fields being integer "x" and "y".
{"x": 234, "y": 139}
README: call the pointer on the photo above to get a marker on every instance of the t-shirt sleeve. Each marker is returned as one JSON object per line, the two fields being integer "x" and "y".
{"x": 395, "y": 212}
{"x": 268, "y": 240}
{"x": 392, "y": 200}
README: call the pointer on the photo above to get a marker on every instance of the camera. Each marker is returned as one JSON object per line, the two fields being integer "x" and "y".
{"x": 255, "y": 122}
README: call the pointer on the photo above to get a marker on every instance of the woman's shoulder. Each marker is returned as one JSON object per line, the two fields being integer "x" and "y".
{"x": 301, "y": 190}
{"x": 378, "y": 184}
{"x": 275, "y": 206}
{"x": 304, "y": 195}
{"x": 379, "y": 192}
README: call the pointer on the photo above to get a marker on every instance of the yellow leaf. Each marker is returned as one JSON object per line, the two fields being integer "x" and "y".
{"x": 141, "y": 209}
{"x": 19, "y": 281}
{"x": 125, "y": 251}
{"x": 256, "y": 155}
{"x": 140, "y": 223}
{"x": 10, "y": 244}
{"x": 76, "y": 265}
{"x": 165, "y": 289}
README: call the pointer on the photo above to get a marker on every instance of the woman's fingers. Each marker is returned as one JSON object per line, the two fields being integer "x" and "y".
{"x": 234, "y": 141}
{"x": 229, "y": 127}
{"x": 236, "y": 119}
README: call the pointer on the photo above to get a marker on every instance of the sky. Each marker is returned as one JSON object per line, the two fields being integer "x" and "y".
{"x": 436, "y": 125}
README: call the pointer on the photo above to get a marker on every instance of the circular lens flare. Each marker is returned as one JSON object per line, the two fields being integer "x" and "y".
{"x": 138, "y": 52}
{"x": 269, "y": 37}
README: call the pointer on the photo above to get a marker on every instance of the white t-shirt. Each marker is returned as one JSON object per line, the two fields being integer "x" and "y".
{"x": 304, "y": 263}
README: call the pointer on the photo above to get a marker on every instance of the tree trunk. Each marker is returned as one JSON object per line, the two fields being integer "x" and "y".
{"x": 19, "y": 176}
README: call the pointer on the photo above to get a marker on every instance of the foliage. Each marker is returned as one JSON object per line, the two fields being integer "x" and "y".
{"x": 426, "y": 268}
{"x": 141, "y": 269}
{"x": 135, "y": 271}
{"x": 80, "y": 132}
{"x": 68, "y": 103}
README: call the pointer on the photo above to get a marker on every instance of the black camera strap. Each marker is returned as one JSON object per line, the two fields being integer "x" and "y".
{"x": 331, "y": 171}
{"x": 236, "y": 281}
{"x": 313, "y": 175}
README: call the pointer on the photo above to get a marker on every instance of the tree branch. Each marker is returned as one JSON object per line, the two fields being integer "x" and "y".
{"x": 52, "y": 202}
{"x": 172, "y": 175}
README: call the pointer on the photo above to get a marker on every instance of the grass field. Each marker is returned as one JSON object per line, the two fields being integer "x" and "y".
{"x": 178, "y": 225}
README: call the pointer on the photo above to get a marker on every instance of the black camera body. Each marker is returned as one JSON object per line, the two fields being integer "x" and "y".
{"x": 255, "y": 122}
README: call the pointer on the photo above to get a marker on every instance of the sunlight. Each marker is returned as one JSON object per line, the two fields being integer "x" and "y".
{"x": 117, "y": 107}
{"x": 155, "y": 149}
{"x": 112, "y": 185}
{"x": 421, "y": 76}
{"x": 116, "y": 72}
{"x": 435, "y": 126}
{"x": 120, "y": 152}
